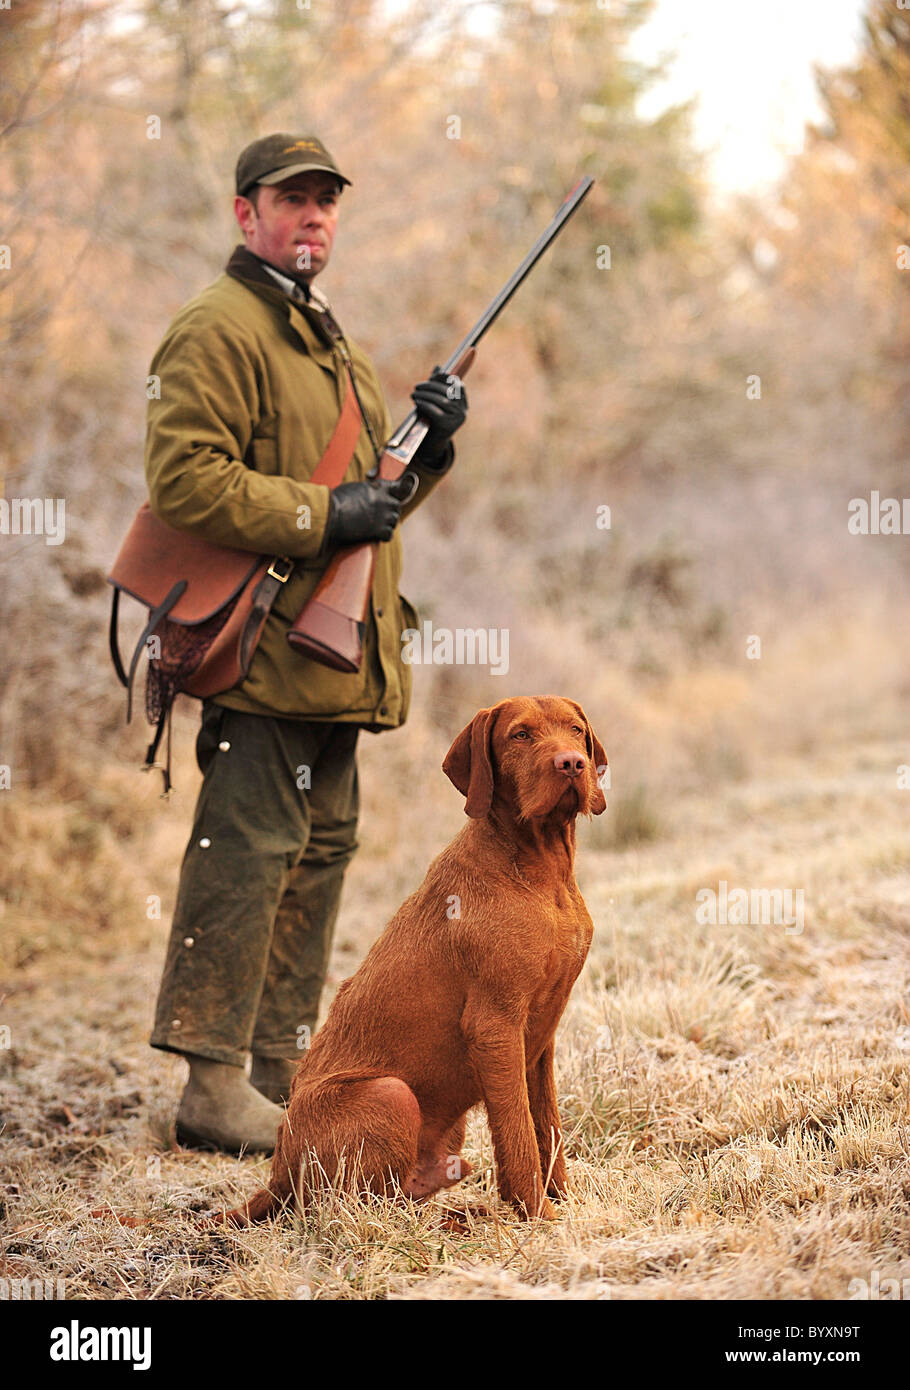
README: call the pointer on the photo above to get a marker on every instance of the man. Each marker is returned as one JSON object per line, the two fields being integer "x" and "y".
{"x": 252, "y": 377}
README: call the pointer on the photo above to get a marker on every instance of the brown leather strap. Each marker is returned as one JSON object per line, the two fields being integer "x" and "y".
{"x": 333, "y": 465}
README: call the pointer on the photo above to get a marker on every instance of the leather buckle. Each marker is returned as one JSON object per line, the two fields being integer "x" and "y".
{"x": 274, "y": 574}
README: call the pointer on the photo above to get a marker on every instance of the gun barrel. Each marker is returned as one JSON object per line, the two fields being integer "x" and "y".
{"x": 495, "y": 308}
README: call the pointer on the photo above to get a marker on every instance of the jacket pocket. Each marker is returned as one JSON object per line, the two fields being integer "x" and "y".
{"x": 408, "y": 615}
{"x": 209, "y": 736}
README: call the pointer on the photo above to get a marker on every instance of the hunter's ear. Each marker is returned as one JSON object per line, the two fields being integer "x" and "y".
{"x": 469, "y": 765}
{"x": 598, "y": 757}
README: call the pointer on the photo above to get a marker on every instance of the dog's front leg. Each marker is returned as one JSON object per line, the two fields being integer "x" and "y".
{"x": 545, "y": 1114}
{"x": 496, "y": 1045}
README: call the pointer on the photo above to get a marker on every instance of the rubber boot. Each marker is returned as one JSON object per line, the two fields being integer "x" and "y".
{"x": 221, "y": 1110}
{"x": 272, "y": 1076}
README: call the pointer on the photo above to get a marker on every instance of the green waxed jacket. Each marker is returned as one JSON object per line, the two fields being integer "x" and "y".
{"x": 251, "y": 385}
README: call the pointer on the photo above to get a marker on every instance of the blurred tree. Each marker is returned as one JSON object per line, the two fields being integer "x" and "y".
{"x": 845, "y": 218}
{"x": 40, "y": 66}
{"x": 868, "y": 111}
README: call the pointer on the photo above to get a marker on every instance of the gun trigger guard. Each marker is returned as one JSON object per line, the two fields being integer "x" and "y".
{"x": 415, "y": 484}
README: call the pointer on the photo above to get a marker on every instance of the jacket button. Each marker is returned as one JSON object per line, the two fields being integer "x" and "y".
{"x": 378, "y": 612}
{"x": 383, "y": 709}
{"x": 176, "y": 1024}
{"x": 205, "y": 842}
{"x": 189, "y": 941}
{"x": 224, "y": 745}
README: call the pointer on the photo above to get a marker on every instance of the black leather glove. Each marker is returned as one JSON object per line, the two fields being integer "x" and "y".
{"x": 364, "y": 511}
{"x": 443, "y": 403}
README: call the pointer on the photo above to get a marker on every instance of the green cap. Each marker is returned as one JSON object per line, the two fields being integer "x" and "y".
{"x": 277, "y": 157}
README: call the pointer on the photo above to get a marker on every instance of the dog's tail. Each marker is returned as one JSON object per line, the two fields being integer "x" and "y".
{"x": 265, "y": 1203}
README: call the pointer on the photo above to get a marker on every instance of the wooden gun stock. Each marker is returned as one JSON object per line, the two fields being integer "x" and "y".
{"x": 329, "y": 628}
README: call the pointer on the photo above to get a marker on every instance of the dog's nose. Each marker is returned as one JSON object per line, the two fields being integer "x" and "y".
{"x": 571, "y": 763}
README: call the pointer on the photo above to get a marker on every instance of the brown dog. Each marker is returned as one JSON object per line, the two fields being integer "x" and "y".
{"x": 458, "y": 1000}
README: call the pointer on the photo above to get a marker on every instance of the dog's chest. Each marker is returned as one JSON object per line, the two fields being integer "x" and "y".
{"x": 571, "y": 928}
{"x": 568, "y": 939}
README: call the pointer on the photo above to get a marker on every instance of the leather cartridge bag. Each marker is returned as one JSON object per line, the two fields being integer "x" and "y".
{"x": 207, "y": 607}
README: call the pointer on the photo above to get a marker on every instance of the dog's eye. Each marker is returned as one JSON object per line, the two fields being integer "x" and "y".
{"x": 521, "y": 733}
{"x": 576, "y": 729}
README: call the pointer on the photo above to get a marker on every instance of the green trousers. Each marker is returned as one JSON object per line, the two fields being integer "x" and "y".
{"x": 274, "y": 830}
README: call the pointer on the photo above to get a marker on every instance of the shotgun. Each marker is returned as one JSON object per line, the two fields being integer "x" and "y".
{"x": 329, "y": 628}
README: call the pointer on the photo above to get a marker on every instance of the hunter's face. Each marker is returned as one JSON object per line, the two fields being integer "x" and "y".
{"x": 293, "y": 226}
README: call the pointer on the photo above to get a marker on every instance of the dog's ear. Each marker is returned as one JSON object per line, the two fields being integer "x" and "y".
{"x": 469, "y": 764}
{"x": 596, "y": 753}
{"x": 599, "y": 762}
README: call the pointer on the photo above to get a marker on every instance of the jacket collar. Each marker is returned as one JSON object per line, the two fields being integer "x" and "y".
{"x": 286, "y": 293}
